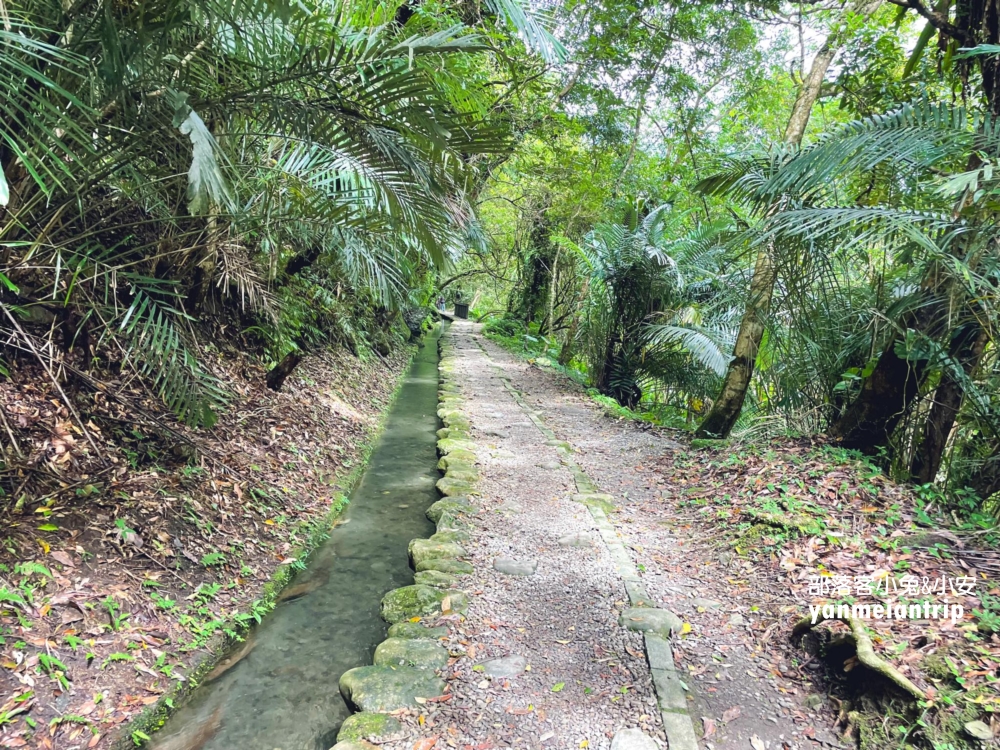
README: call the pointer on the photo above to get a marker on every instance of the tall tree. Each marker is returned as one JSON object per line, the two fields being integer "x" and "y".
{"x": 727, "y": 407}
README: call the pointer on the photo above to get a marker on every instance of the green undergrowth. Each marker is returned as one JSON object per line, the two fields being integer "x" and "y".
{"x": 306, "y": 539}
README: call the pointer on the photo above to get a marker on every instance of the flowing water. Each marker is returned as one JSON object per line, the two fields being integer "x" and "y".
{"x": 284, "y": 692}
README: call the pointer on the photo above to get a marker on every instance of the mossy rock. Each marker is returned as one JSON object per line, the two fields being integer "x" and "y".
{"x": 420, "y": 601}
{"x": 467, "y": 456}
{"x": 596, "y": 499}
{"x": 411, "y": 652}
{"x": 454, "y": 433}
{"x": 469, "y": 477}
{"x": 459, "y": 424}
{"x": 453, "y": 487}
{"x": 354, "y": 745}
{"x": 452, "y": 505}
{"x": 455, "y": 567}
{"x": 416, "y": 630}
{"x": 444, "y": 412}
{"x": 387, "y": 689}
{"x": 364, "y": 725}
{"x": 806, "y": 525}
{"x": 425, "y": 549}
{"x": 451, "y": 535}
{"x": 452, "y": 522}
{"x": 449, "y": 445}
{"x": 457, "y": 463}
{"x": 435, "y": 578}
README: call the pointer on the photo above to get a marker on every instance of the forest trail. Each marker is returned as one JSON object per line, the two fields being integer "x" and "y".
{"x": 550, "y": 663}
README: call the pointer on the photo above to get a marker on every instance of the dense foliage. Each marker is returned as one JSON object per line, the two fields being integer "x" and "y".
{"x": 756, "y": 217}
{"x": 829, "y": 263}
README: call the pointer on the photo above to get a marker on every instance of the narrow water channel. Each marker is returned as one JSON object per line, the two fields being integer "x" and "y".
{"x": 284, "y": 694}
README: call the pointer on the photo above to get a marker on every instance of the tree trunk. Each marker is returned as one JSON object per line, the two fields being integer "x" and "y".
{"x": 885, "y": 397}
{"x": 276, "y": 377}
{"x": 947, "y": 401}
{"x": 726, "y": 409}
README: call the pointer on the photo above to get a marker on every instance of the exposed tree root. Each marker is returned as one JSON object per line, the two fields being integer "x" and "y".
{"x": 866, "y": 652}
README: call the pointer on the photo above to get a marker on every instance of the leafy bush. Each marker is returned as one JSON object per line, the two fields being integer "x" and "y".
{"x": 506, "y": 327}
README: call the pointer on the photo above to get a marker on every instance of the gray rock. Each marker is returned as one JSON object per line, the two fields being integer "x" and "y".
{"x": 736, "y": 620}
{"x": 931, "y": 538}
{"x": 496, "y": 433}
{"x": 387, "y": 689}
{"x": 416, "y": 630}
{"x": 814, "y": 701}
{"x": 511, "y": 567}
{"x": 550, "y": 465}
{"x": 643, "y": 619}
{"x": 411, "y": 652}
{"x": 577, "y": 539}
{"x": 980, "y": 730}
{"x": 706, "y": 603}
{"x": 632, "y": 739}
{"x": 359, "y": 727}
{"x": 509, "y": 666}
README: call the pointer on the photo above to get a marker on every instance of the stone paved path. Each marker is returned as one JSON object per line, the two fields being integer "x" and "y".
{"x": 542, "y": 659}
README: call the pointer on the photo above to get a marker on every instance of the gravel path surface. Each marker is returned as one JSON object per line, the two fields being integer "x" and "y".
{"x": 585, "y": 677}
{"x": 759, "y": 690}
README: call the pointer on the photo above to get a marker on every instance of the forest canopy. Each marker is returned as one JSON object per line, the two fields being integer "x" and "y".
{"x": 737, "y": 218}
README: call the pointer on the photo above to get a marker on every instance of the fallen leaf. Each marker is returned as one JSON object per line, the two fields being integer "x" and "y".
{"x": 730, "y": 713}
{"x": 756, "y": 743}
{"x": 709, "y": 727}
{"x": 558, "y": 686}
{"x": 425, "y": 743}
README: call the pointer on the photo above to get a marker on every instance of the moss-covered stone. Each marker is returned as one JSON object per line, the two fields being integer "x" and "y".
{"x": 421, "y": 601}
{"x": 354, "y": 745}
{"x": 448, "y": 445}
{"x": 416, "y": 630}
{"x": 450, "y": 487}
{"x": 387, "y": 689}
{"x": 468, "y": 477}
{"x": 364, "y": 725}
{"x": 451, "y": 522}
{"x": 455, "y": 433}
{"x": 425, "y": 549}
{"x": 458, "y": 463}
{"x": 451, "y": 535}
{"x": 452, "y": 505}
{"x": 411, "y": 652}
{"x": 596, "y": 499}
{"x": 435, "y": 578}
{"x": 459, "y": 455}
{"x": 455, "y": 567}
